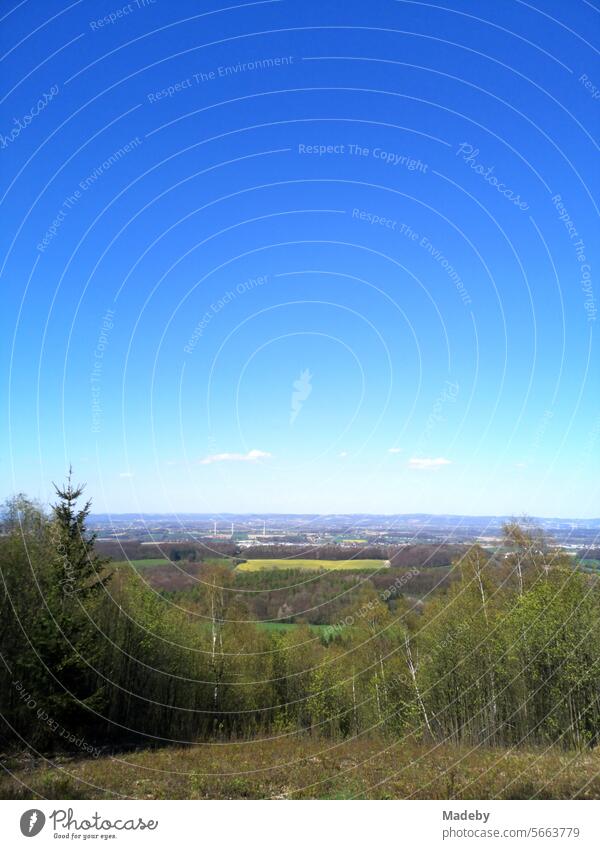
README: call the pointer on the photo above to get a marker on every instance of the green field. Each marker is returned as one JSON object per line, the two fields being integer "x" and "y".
{"x": 289, "y": 626}
{"x": 143, "y": 564}
{"x": 590, "y": 565}
{"x": 162, "y": 561}
{"x": 320, "y": 565}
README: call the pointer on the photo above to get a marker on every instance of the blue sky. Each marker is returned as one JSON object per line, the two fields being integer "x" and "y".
{"x": 311, "y": 257}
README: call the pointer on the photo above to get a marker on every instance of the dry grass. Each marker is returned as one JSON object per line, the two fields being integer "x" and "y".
{"x": 309, "y": 768}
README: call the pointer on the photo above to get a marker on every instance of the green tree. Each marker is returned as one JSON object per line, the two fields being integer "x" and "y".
{"x": 51, "y": 580}
{"x": 78, "y": 568}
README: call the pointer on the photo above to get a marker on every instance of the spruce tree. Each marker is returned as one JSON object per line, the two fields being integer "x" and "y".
{"x": 79, "y": 569}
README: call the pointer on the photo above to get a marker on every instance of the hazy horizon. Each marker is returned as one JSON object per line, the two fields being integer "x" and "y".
{"x": 209, "y": 515}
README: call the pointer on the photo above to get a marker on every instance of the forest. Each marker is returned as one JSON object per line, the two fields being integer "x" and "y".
{"x": 504, "y": 654}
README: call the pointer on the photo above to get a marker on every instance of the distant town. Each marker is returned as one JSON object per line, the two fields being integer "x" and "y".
{"x": 351, "y": 530}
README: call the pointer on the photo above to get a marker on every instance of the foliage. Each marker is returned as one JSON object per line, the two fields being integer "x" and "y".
{"x": 506, "y": 655}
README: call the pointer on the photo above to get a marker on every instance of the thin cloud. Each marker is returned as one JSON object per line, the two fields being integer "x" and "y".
{"x": 125, "y": 474}
{"x": 250, "y": 457}
{"x": 427, "y": 462}
{"x": 394, "y": 450}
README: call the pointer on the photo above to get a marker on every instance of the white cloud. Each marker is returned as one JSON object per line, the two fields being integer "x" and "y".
{"x": 394, "y": 450}
{"x": 250, "y": 457}
{"x": 427, "y": 462}
{"x": 125, "y": 474}
{"x": 343, "y": 454}
{"x": 520, "y": 465}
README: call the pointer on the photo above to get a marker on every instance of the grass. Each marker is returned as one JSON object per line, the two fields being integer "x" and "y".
{"x": 143, "y": 564}
{"x": 352, "y": 541}
{"x": 284, "y": 627}
{"x": 288, "y": 626}
{"x": 306, "y": 767}
{"x": 315, "y": 565}
{"x": 163, "y": 561}
{"x": 589, "y": 563}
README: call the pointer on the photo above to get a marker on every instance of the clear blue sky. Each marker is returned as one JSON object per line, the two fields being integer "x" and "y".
{"x": 312, "y": 257}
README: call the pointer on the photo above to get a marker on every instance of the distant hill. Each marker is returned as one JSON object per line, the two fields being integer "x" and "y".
{"x": 351, "y": 519}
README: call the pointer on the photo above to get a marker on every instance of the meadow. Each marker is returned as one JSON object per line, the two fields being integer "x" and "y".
{"x": 149, "y": 562}
{"x": 143, "y": 564}
{"x": 314, "y": 565}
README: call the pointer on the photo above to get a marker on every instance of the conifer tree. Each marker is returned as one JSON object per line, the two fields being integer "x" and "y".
{"x": 79, "y": 569}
